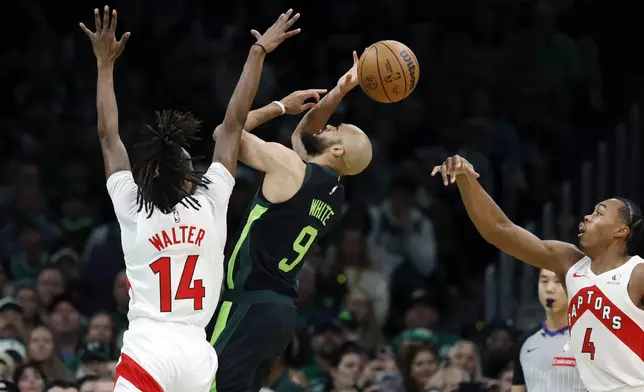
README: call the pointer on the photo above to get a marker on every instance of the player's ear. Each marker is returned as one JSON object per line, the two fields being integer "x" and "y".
{"x": 622, "y": 232}
{"x": 337, "y": 150}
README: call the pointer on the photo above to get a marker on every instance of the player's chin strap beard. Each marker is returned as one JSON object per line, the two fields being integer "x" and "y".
{"x": 313, "y": 145}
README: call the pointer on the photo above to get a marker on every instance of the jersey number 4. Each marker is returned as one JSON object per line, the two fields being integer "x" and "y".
{"x": 188, "y": 289}
{"x": 588, "y": 347}
{"x": 301, "y": 245}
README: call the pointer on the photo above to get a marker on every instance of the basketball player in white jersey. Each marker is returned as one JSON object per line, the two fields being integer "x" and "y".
{"x": 173, "y": 222}
{"x": 605, "y": 283}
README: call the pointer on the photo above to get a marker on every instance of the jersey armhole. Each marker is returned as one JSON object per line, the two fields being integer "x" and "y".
{"x": 260, "y": 191}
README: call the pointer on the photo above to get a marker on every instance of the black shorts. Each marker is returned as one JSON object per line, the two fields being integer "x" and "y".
{"x": 248, "y": 336}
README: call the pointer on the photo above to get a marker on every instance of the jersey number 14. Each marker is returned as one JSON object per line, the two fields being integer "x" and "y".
{"x": 301, "y": 245}
{"x": 188, "y": 289}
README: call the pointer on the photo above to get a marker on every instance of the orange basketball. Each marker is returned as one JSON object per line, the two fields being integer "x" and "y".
{"x": 388, "y": 71}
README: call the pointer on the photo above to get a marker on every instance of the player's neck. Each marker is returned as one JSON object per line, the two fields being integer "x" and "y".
{"x": 323, "y": 160}
{"x": 609, "y": 258}
{"x": 556, "y": 321}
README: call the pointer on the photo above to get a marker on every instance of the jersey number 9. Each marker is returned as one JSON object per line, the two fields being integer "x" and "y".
{"x": 301, "y": 245}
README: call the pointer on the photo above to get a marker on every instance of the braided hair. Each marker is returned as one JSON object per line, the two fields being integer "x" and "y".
{"x": 164, "y": 167}
{"x": 631, "y": 214}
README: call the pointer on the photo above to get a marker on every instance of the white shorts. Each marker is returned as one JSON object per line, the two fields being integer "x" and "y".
{"x": 165, "y": 357}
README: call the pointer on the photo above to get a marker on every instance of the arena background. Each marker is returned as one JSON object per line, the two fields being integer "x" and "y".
{"x": 542, "y": 97}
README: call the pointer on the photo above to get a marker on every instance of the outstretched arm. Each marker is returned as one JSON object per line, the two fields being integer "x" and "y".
{"x": 495, "y": 227}
{"x": 107, "y": 50}
{"x": 264, "y": 156}
{"x": 317, "y": 118}
{"x": 227, "y": 146}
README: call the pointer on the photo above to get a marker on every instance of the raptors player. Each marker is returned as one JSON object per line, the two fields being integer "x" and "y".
{"x": 605, "y": 283}
{"x": 173, "y": 223}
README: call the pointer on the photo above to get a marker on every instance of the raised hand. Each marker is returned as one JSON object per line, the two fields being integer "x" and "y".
{"x": 350, "y": 79}
{"x": 278, "y": 32}
{"x": 294, "y": 102}
{"x": 106, "y": 48}
{"x": 454, "y": 166}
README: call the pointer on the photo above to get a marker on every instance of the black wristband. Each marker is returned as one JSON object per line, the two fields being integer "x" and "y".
{"x": 261, "y": 46}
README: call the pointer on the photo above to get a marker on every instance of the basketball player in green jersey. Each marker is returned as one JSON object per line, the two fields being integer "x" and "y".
{"x": 299, "y": 199}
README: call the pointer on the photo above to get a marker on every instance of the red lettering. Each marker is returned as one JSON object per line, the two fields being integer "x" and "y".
{"x": 197, "y": 292}
{"x": 191, "y": 233}
{"x": 183, "y": 233}
{"x": 166, "y": 239}
{"x": 156, "y": 242}
{"x": 174, "y": 236}
{"x": 200, "y": 236}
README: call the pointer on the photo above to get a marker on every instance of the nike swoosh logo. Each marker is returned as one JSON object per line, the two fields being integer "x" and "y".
{"x": 576, "y": 275}
{"x": 531, "y": 349}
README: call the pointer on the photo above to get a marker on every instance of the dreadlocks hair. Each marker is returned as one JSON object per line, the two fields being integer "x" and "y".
{"x": 163, "y": 168}
{"x": 631, "y": 214}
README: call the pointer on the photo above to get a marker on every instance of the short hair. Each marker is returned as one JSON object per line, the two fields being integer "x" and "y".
{"x": 162, "y": 169}
{"x": 631, "y": 215}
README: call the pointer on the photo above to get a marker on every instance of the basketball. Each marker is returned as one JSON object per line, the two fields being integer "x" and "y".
{"x": 388, "y": 71}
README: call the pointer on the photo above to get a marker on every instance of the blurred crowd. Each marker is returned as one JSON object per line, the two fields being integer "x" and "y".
{"x": 390, "y": 301}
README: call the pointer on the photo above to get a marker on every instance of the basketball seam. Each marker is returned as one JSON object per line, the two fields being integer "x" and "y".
{"x": 360, "y": 71}
{"x": 382, "y": 85}
{"x": 402, "y": 68}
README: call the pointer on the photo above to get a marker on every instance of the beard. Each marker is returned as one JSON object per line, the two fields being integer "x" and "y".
{"x": 314, "y": 145}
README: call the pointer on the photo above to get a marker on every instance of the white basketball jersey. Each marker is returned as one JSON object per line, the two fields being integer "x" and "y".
{"x": 174, "y": 262}
{"x": 606, "y": 332}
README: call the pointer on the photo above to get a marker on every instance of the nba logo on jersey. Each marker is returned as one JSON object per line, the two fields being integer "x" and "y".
{"x": 177, "y": 219}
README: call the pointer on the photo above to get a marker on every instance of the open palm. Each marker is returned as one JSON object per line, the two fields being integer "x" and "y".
{"x": 106, "y": 48}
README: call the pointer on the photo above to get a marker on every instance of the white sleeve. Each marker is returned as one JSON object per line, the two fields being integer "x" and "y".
{"x": 221, "y": 184}
{"x": 123, "y": 191}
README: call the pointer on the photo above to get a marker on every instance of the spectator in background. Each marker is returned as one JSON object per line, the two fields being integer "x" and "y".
{"x": 65, "y": 322}
{"x": 67, "y": 261}
{"x": 505, "y": 380}
{"x": 103, "y": 384}
{"x": 5, "y": 285}
{"x": 75, "y": 223}
{"x": 284, "y": 375}
{"x": 346, "y": 367}
{"x": 465, "y": 355}
{"x": 29, "y": 378}
{"x": 364, "y": 273}
{"x": 448, "y": 379}
{"x": 30, "y": 257}
{"x": 421, "y": 364}
{"x": 7, "y": 367}
{"x": 41, "y": 350}
{"x": 61, "y": 386}
{"x": 327, "y": 336}
{"x": 49, "y": 285}
{"x": 496, "y": 351}
{"x": 27, "y": 298}
{"x": 367, "y": 326}
{"x": 404, "y": 233}
{"x": 94, "y": 360}
{"x": 12, "y": 325}
{"x": 100, "y": 328}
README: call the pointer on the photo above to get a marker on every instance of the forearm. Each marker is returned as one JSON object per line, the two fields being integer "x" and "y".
{"x": 261, "y": 116}
{"x": 245, "y": 91}
{"x": 482, "y": 210}
{"x": 106, "y": 102}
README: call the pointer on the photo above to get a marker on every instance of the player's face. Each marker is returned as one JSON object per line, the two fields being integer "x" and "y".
{"x": 551, "y": 292}
{"x": 603, "y": 226}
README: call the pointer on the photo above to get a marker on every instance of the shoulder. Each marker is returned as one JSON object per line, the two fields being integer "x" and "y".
{"x": 637, "y": 276}
{"x": 565, "y": 253}
{"x": 527, "y": 335}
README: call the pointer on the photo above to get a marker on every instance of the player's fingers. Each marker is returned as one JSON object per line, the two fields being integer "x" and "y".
{"x": 452, "y": 177}
{"x": 106, "y": 18}
{"x": 286, "y": 16}
{"x": 292, "y": 20}
{"x": 308, "y": 106}
{"x": 123, "y": 40}
{"x": 85, "y": 30}
{"x": 449, "y": 164}
{"x": 113, "y": 22}
{"x": 355, "y": 57}
{"x": 444, "y": 175}
{"x": 435, "y": 170}
{"x": 97, "y": 20}
{"x": 291, "y": 33}
{"x": 458, "y": 162}
{"x": 255, "y": 34}
{"x": 476, "y": 175}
